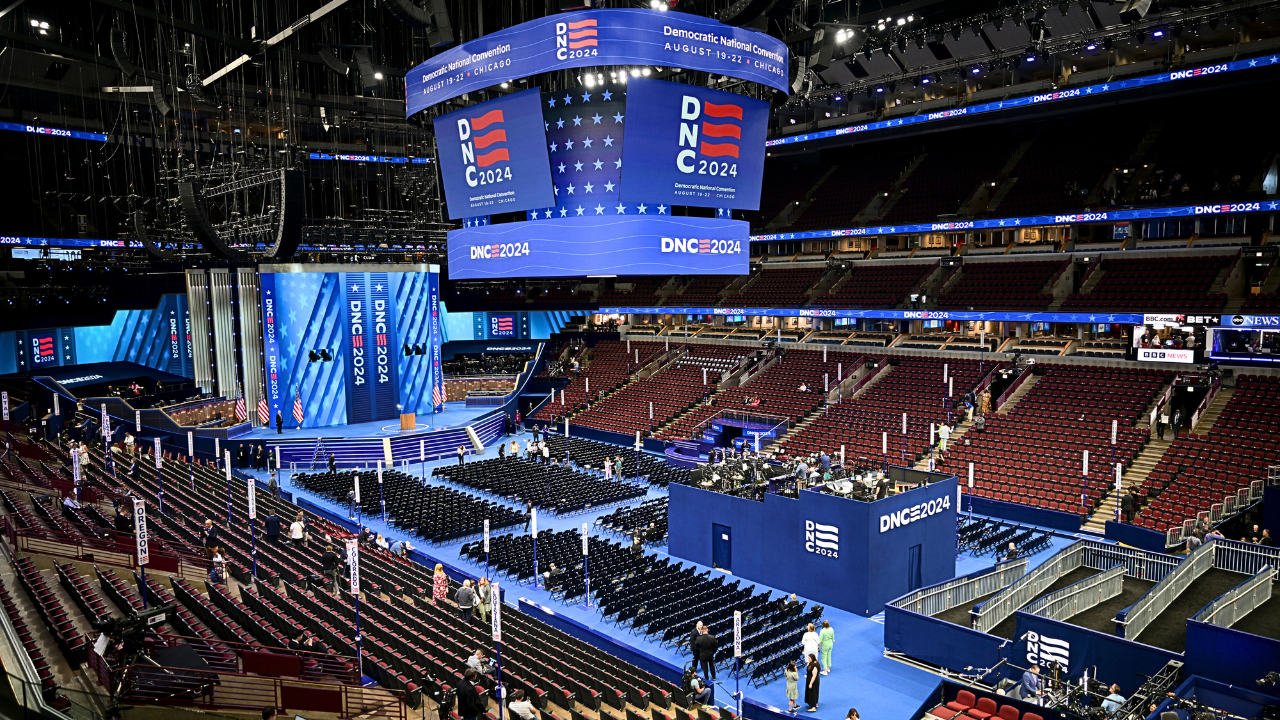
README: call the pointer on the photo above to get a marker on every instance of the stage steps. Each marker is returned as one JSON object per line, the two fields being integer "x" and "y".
{"x": 1214, "y": 411}
{"x": 956, "y": 435}
{"x": 1135, "y": 474}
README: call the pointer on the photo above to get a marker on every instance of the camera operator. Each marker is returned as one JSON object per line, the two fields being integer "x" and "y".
{"x": 1113, "y": 702}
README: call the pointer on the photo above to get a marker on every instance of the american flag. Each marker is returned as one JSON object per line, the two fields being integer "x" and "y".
{"x": 437, "y": 393}
{"x": 297, "y": 405}
{"x": 241, "y": 411}
{"x": 264, "y": 410}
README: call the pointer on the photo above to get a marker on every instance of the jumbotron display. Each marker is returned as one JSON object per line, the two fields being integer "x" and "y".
{"x": 493, "y": 157}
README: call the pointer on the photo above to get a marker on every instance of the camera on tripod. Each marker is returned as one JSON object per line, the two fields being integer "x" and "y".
{"x": 1269, "y": 680}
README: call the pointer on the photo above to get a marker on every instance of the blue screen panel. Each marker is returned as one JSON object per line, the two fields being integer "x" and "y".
{"x": 686, "y": 145}
{"x": 493, "y": 156}
{"x": 600, "y": 245}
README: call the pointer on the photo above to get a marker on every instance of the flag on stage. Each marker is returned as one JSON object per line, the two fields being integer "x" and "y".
{"x": 241, "y": 411}
{"x": 297, "y": 405}
{"x": 437, "y": 394}
{"x": 264, "y": 410}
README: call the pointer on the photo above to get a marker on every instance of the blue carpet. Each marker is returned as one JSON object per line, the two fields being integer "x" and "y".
{"x": 878, "y": 687}
{"x": 455, "y": 415}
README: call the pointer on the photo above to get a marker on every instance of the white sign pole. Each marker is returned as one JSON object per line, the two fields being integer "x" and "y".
{"x": 137, "y": 420}
{"x": 495, "y": 609}
{"x": 586, "y": 571}
{"x": 1119, "y": 470}
{"x": 486, "y": 548}
{"x": 159, "y": 475}
{"x": 422, "y": 458}
{"x": 382, "y": 498}
{"x": 57, "y": 405}
{"x": 251, "y": 493}
{"x": 140, "y": 537}
{"x": 533, "y": 525}
{"x": 228, "y": 460}
{"x": 970, "y": 490}
{"x": 737, "y": 649}
{"x": 75, "y": 471}
{"x": 4, "y": 405}
{"x": 191, "y": 458}
{"x": 353, "y": 562}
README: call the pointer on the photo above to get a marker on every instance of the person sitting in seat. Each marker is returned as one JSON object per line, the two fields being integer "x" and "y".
{"x": 521, "y": 708}
{"x": 701, "y": 693}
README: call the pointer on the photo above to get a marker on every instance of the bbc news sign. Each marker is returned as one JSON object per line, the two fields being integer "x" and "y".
{"x": 1164, "y": 355}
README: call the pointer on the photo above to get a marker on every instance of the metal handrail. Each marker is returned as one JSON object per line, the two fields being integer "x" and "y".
{"x": 1239, "y": 601}
{"x": 1021, "y": 591}
{"x": 953, "y": 593}
{"x": 1075, "y": 599}
{"x": 1156, "y": 600}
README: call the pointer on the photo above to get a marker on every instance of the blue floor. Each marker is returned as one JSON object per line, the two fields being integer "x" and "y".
{"x": 878, "y": 687}
{"x": 455, "y": 415}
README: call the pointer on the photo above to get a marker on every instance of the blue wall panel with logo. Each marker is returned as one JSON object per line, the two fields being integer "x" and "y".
{"x": 158, "y": 338}
{"x": 1114, "y": 657}
{"x": 849, "y": 563}
{"x": 363, "y": 319}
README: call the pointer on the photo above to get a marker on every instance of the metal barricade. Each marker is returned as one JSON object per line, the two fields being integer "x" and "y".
{"x": 1243, "y": 557}
{"x": 944, "y": 596}
{"x": 1075, "y": 599}
{"x": 1159, "y": 597}
{"x": 1239, "y": 601}
{"x": 1008, "y": 600}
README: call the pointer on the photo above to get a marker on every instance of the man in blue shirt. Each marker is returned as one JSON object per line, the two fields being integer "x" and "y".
{"x": 825, "y": 461}
{"x": 1030, "y": 685}
{"x": 1113, "y": 701}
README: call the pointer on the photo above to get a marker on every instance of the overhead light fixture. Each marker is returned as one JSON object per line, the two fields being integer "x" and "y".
{"x": 377, "y": 76}
{"x": 1091, "y": 46}
{"x": 505, "y": 85}
{"x": 635, "y": 72}
{"x": 1157, "y": 34}
{"x": 839, "y": 98}
{"x": 645, "y": 72}
{"x": 924, "y": 80}
{"x": 976, "y": 70}
{"x": 902, "y": 21}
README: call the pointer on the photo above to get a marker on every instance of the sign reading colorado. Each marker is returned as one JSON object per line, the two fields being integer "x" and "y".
{"x": 595, "y": 38}
{"x": 687, "y": 145}
{"x": 493, "y": 157}
{"x": 651, "y": 244}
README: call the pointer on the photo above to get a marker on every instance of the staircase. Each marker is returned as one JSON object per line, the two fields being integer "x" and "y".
{"x": 808, "y": 419}
{"x": 1136, "y": 474}
{"x": 1214, "y": 411}
{"x": 1018, "y": 394}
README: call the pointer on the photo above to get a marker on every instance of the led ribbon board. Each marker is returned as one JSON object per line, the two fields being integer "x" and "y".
{"x": 597, "y": 38}
{"x": 686, "y": 145}
{"x": 649, "y": 244}
{"x": 493, "y": 157}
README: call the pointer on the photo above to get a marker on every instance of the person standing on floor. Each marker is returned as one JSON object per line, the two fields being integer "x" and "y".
{"x": 608, "y": 468}
{"x": 296, "y": 531}
{"x": 483, "y": 592}
{"x": 826, "y": 639}
{"x": 812, "y": 683}
{"x": 546, "y": 452}
{"x": 704, "y": 649}
{"x": 470, "y": 706}
{"x": 466, "y": 599}
{"x": 810, "y": 642}
{"x": 439, "y": 585}
{"x": 272, "y": 523}
{"x": 793, "y": 692}
{"x": 333, "y": 464}
{"x": 279, "y": 423}
{"x": 944, "y": 434}
{"x": 462, "y": 452}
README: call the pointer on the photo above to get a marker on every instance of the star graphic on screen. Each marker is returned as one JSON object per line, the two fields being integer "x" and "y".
{"x": 608, "y": 141}
{"x": 642, "y": 208}
{"x": 571, "y": 188}
{"x": 617, "y": 163}
{"x": 293, "y": 316}
{"x": 719, "y": 212}
{"x": 355, "y": 288}
{"x": 579, "y": 210}
{"x": 533, "y": 214}
{"x": 595, "y": 119}
{"x": 568, "y": 100}
{"x": 608, "y": 95}
{"x": 564, "y": 211}
{"x": 553, "y": 147}
{"x": 586, "y": 142}
{"x": 557, "y": 193}
{"x": 559, "y": 123}
{"x": 577, "y": 121}
{"x": 598, "y": 165}
{"x": 577, "y": 165}
{"x": 546, "y": 126}
{"x": 552, "y": 102}
{"x": 662, "y": 209}
{"x": 568, "y": 144}
{"x": 617, "y": 118}
{"x": 599, "y": 209}
{"x": 621, "y": 208}
{"x": 586, "y": 97}
{"x": 589, "y": 187}
{"x": 608, "y": 187}
{"x": 561, "y": 167}
{"x": 548, "y": 212}
{"x": 378, "y": 288}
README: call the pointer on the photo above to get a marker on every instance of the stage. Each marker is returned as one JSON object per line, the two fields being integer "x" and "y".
{"x": 455, "y": 415}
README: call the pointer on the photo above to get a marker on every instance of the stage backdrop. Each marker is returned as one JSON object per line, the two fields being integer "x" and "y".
{"x": 839, "y": 552}
{"x": 159, "y": 338}
{"x": 362, "y": 320}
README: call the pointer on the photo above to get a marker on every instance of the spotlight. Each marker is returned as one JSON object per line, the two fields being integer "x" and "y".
{"x": 635, "y": 72}
{"x": 645, "y": 72}
{"x": 1091, "y": 46}
{"x": 976, "y": 70}
{"x": 1031, "y": 58}
{"x": 419, "y": 349}
{"x": 407, "y": 350}
{"x": 902, "y": 21}
{"x": 505, "y": 85}
{"x": 312, "y": 356}
{"x": 1157, "y": 34}
{"x": 377, "y": 76}
{"x": 325, "y": 356}
{"x": 880, "y": 89}
{"x": 600, "y": 78}
{"x": 590, "y": 81}
{"x": 924, "y": 81}
{"x": 839, "y": 98}
{"x": 653, "y": 4}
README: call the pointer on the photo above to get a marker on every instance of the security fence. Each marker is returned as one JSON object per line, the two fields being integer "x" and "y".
{"x": 1239, "y": 601}
{"x": 952, "y": 593}
{"x": 1075, "y": 599}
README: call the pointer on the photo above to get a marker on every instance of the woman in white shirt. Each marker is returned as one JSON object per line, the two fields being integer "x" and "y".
{"x": 810, "y": 642}
{"x": 295, "y": 531}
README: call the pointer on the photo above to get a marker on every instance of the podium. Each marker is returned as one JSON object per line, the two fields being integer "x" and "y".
{"x": 408, "y": 421}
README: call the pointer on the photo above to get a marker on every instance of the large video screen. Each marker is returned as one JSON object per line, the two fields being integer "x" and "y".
{"x": 335, "y": 342}
{"x": 686, "y": 145}
{"x": 649, "y": 244}
{"x": 493, "y": 157}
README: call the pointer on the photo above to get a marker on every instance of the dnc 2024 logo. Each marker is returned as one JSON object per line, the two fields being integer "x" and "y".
{"x": 492, "y": 143}
{"x": 822, "y": 539}
{"x": 725, "y": 134}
